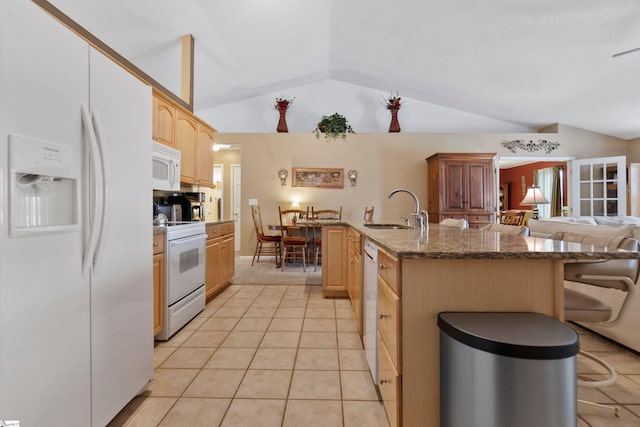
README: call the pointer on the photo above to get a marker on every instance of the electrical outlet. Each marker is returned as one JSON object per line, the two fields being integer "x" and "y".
{"x": 253, "y": 202}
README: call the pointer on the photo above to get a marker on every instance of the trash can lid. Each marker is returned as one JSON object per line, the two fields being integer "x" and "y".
{"x": 522, "y": 335}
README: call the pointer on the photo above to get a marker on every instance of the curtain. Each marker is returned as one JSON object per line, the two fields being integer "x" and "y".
{"x": 556, "y": 191}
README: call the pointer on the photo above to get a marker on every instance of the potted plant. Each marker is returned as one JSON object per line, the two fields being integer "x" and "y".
{"x": 334, "y": 126}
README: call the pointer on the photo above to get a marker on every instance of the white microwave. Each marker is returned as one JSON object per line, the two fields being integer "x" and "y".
{"x": 166, "y": 168}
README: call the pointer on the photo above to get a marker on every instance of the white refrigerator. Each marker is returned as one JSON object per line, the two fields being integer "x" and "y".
{"x": 76, "y": 320}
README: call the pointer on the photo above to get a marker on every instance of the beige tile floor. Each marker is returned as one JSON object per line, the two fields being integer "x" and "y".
{"x": 262, "y": 356}
{"x": 283, "y": 356}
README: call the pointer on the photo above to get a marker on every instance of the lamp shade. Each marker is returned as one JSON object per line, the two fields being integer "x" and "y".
{"x": 534, "y": 197}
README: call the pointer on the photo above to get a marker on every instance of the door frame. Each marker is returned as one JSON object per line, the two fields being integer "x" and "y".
{"x": 236, "y": 201}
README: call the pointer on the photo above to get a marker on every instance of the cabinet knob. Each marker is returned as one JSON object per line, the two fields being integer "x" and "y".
{"x": 383, "y": 381}
{"x": 353, "y": 261}
{"x": 383, "y": 316}
{"x": 382, "y": 267}
{"x": 155, "y": 245}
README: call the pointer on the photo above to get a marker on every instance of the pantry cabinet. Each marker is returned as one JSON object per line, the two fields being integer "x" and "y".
{"x": 461, "y": 186}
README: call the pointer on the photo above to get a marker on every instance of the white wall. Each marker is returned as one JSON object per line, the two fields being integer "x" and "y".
{"x": 360, "y": 105}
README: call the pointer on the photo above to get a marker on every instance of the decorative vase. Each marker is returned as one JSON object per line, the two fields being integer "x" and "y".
{"x": 394, "y": 126}
{"x": 282, "y": 122}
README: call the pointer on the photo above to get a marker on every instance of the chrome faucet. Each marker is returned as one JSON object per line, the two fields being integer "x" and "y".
{"x": 419, "y": 217}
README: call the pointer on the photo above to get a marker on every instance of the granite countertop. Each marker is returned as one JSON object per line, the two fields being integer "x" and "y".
{"x": 439, "y": 242}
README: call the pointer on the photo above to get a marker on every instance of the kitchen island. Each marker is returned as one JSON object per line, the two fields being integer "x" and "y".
{"x": 449, "y": 269}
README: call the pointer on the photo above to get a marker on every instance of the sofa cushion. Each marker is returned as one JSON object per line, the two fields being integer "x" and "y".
{"x": 544, "y": 228}
{"x": 520, "y": 230}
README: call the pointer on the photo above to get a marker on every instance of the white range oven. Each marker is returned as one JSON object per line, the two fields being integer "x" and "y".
{"x": 185, "y": 296}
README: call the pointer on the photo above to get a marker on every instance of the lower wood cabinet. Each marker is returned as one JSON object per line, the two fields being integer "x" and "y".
{"x": 354, "y": 275}
{"x": 390, "y": 336}
{"x": 158, "y": 282}
{"x": 334, "y": 261}
{"x": 220, "y": 257}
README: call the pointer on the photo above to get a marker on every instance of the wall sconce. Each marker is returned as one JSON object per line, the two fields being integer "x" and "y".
{"x": 283, "y": 174}
{"x": 353, "y": 177}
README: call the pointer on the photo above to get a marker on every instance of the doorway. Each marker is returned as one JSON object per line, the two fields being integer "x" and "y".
{"x": 515, "y": 176}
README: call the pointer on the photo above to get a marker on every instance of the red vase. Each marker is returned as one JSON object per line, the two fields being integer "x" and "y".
{"x": 394, "y": 126}
{"x": 282, "y": 123}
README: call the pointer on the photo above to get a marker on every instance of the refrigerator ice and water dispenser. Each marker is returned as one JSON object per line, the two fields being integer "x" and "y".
{"x": 43, "y": 187}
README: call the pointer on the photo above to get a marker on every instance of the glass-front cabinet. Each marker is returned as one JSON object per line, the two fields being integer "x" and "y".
{"x": 599, "y": 186}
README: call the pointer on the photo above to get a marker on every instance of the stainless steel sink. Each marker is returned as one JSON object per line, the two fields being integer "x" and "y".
{"x": 387, "y": 226}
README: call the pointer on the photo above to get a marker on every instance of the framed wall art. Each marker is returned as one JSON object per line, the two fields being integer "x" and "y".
{"x": 318, "y": 177}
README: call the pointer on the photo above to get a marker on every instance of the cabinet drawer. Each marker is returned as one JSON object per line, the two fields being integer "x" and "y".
{"x": 158, "y": 243}
{"x": 354, "y": 240}
{"x": 389, "y": 321}
{"x": 389, "y": 270}
{"x": 480, "y": 218}
{"x": 217, "y": 230}
{"x": 390, "y": 385}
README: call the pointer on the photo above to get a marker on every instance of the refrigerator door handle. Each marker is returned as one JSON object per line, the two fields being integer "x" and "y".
{"x": 92, "y": 220}
{"x": 100, "y": 140}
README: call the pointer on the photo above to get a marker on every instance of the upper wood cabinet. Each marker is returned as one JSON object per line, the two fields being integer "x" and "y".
{"x": 205, "y": 155}
{"x": 163, "y": 121}
{"x": 180, "y": 129}
{"x": 461, "y": 186}
{"x": 186, "y": 141}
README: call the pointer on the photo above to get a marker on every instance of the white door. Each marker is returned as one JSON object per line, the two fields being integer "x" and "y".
{"x": 599, "y": 186}
{"x": 236, "y": 202}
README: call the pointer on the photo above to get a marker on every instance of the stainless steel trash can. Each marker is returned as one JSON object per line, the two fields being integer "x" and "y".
{"x": 507, "y": 370}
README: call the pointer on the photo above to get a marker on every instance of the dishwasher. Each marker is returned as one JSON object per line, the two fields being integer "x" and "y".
{"x": 370, "y": 306}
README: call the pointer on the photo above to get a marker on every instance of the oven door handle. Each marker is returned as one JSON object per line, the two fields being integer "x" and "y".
{"x": 186, "y": 240}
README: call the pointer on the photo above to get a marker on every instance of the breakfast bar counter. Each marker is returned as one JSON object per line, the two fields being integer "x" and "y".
{"x": 450, "y": 269}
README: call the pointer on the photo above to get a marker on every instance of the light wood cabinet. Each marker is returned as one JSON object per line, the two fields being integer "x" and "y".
{"x": 354, "y": 278}
{"x": 334, "y": 261}
{"x": 163, "y": 121}
{"x": 390, "y": 336}
{"x": 461, "y": 186}
{"x": 204, "y": 156}
{"x": 180, "y": 129}
{"x": 158, "y": 283}
{"x": 186, "y": 139}
{"x": 220, "y": 257}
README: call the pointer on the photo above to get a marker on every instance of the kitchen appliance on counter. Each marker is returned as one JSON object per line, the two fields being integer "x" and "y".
{"x": 184, "y": 294}
{"x": 76, "y": 278}
{"x": 192, "y": 205}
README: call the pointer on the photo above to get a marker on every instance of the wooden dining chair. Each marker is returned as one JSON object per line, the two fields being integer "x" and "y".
{"x": 265, "y": 244}
{"x": 368, "y": 214}
{"x": 294, "y": 225}
{"x": 316, "y": 231}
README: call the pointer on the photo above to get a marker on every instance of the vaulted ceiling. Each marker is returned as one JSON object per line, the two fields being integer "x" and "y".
{"x": 530, "y": 62}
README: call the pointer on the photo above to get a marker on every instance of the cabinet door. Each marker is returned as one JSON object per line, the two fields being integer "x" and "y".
{"x": 227, "y": 257}
{"x": 454, "y": 186}
{"x": 186, "y": 140}
{"x": 478, "y": 187}
{"x": 213, "y": 273}
{"x": 205, "y": 155}
{"x": 163, "y": 121}
{"x": 158, "y": 293}
{"x": 334, "y": 260}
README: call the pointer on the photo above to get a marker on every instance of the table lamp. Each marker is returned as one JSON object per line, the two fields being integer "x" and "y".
{"x": 534, "y": 197}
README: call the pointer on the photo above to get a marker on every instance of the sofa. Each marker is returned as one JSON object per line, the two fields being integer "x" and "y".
{"x": 599, "y": 231}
